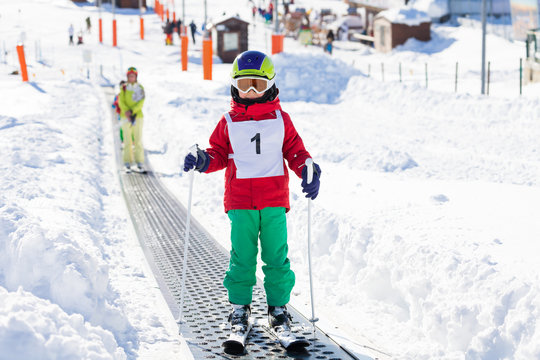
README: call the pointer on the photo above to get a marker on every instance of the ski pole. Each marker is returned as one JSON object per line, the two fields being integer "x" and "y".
{"x": 193, "y": 151}
{"x": 309, "y": 164}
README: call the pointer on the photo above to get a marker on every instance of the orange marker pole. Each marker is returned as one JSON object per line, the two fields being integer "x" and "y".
{"x": 22, "y": 61}
{"x": 174, "y": 16}
{"x": 167, "y": 14}
{"x": 114, "y": 40}
{"x": 100, "y": 30}
{"x": 142, "y": 28}
{"x": 277, "y": 43}
{"x": 207, "y": 59}
{"x": 185, "y": 42}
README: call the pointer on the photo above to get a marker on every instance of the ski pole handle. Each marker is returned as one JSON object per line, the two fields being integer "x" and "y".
{"x": 194, "y": 149}
{"x": 309, "y": 164}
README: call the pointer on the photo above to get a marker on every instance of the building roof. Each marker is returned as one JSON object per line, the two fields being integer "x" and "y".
{"x": 223, "y": 20}
{"x": 404, "y": 15}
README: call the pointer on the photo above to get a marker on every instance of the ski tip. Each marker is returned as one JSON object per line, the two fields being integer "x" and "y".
{"x": 298, "y": 346}
{"x": 232, "y": 347}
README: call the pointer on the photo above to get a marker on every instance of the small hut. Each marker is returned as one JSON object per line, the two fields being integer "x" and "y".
{"x": 132, "y": 4}
{"x": 395, "y": 26}
{"x": 229, "y": 38}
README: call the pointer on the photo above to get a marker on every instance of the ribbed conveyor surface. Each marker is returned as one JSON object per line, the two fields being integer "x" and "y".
{"x": 159, "y": 220}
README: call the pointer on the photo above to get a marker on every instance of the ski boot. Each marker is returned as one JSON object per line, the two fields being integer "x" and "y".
{"x": 240, "y": 327}
{"x": 140, "y": 168}
{"x": 239, "y": 317}
{"x": 279, "y": 320}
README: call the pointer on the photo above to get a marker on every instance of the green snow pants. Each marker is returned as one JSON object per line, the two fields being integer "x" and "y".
{"x": 247, "y": 226}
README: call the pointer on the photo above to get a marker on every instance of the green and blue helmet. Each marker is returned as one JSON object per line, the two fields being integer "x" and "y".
{"x": 253, "y": 63}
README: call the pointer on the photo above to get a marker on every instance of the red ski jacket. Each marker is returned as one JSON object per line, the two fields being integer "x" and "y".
{"x": 256, "y": 193}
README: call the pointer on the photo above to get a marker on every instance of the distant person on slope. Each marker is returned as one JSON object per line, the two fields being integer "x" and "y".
{"x": 193, "y": 28}
{"x": 131, "y": 100}
{"x": 252, "y": 141}
{"x": 168, "y": 30}
{"x": 328, "y": 47}
{"x": 88, "y": 25}
{"x": 71, "y": 32}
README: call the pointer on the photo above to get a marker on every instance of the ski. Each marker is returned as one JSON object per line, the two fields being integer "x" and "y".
{"x": 137, "y": 170}
{"x": 236, "y": 344}
{"x": 287, "y": 339}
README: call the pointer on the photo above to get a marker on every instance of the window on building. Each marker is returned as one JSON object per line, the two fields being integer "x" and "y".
{"x": 230, "y": 41}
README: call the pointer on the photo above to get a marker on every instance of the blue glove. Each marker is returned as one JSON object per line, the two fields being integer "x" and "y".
{"x": 311, "y": 189}
{"x": 200, "y": 164}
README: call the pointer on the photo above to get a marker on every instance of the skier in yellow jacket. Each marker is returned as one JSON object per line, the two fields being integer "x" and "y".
{"x": 131, "y": 100}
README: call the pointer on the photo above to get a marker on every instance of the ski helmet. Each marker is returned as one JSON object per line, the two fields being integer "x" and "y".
{"x": 253, "y": 63}
{"x": 132, "y": 70}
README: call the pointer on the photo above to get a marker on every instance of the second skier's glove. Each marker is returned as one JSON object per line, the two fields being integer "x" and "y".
{"x": 311, "y": 189}
{"x": 200, "y": 164}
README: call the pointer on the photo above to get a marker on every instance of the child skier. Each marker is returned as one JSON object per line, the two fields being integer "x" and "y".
{"x": 131, "y": 100}
{"x": 251, "y": 141}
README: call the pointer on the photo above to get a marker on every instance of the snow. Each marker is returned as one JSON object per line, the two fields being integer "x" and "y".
{"x": 404, "y": 15}
{"x": 425, "y": 229}
{"x": 434, "y": 8}
{"x": 33, "y": 328}
{"x": 297, "y": 72}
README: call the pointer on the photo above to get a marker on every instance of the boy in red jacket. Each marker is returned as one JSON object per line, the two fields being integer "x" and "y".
{"x": 252, "y": 141}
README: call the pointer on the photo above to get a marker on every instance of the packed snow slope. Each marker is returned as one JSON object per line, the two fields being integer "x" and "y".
{"x": 425, "y": 230}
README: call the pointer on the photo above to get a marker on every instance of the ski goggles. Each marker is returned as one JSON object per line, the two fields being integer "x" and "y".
{"x": 257, "y": 84}
{"x": 132, "y": 70}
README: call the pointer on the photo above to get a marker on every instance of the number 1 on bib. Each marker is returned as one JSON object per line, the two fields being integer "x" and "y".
{"x": 257, "y": 139}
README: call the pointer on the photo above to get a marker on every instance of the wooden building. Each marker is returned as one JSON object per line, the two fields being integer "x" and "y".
{"x": 395, "y": 26}
{"x": 131, "y": 4}
{"x": 229, "y": 38}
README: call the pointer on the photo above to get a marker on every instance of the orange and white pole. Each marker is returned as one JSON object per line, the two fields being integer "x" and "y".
{"x": 184, "y": 52}
{"x": 207, "y": 59}
{"x": 100, "y": 25}
{"x": 174, "y": 11}
{"x": 114, "y": 39}
{"x": 22, "y": 62}
{"x": 277, "y": 38}
{"x": 141, "y": 20}
{"x": 277, "y": 43}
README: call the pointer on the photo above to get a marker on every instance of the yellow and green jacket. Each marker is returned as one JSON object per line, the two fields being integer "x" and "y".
{"x": 131, "y": 97}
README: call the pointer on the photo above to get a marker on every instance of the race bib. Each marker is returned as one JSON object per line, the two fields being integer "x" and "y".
{"x": 138, "y": 92}
{"x": 257, "y": 146}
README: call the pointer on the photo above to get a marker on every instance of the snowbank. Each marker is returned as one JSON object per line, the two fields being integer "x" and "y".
{"x": 305, "y": 77}
{"x": 404, "y": 15}
{"x": 33, "y": 328}
{"x": 49, "y": 246}
{"x": 434, "y": 8}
